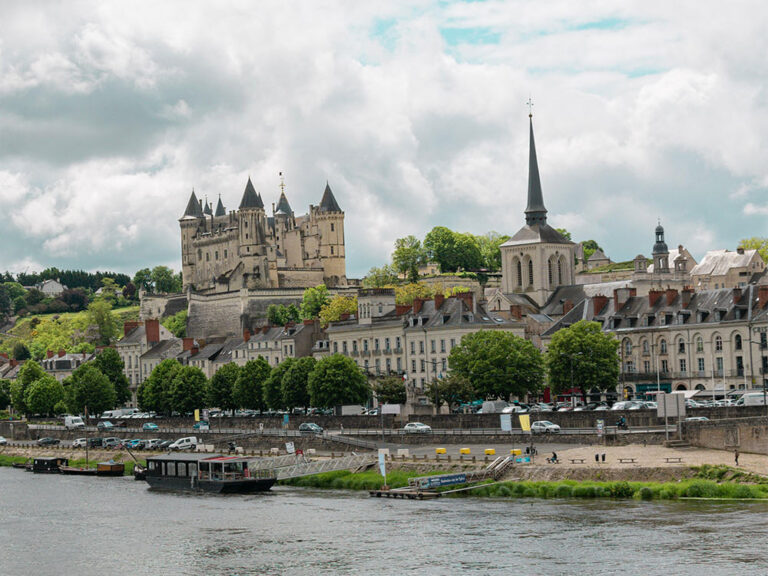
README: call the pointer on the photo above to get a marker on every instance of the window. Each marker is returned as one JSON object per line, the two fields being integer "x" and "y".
{"x": 344, "y": 347}
{"x": 365, "y": 345}
{"x": 354, "y": 345}
{"x": 719, "y": 365}
{"x": 549, "y": 272}
{"x": 335, "y": 347}
{"x": 442, "y": 345}
{"x": 216, "y": 255}
{"x": 331, "y": 226}
{"x": 386, "y": 344}
{"x": 630, "y": 367}
{"x": 397, "y": 342}
{"x": 645, "y": 346}
{"x": 366, "y": 365}
{"x": 718, "y": 344}
{"x": 399, "y": 364}
{"x": 453, "y": 343}
{"x": 663, "y": 346}
{"x": 413, "y": 347}
{"x": 331, "y": 250}
{"x": 444, "y": 366}
{"x": 627, "y": 347}
{"x": 421, "y": 346}
{"x": 519, "y": 273}
{"x": 432, "y": 346}
{"x": 389, "y": 365}
{"x": 699, "y": 344}
{"x": 560, "y": 271}
{"x": 422, "y": 365}
{"x": 413, "y": 365}
{"x": 207, "y": 256}
{"x": 646, "y": 366}
{"x": 681, "y": 347}
{"x": 375, "y": 343}
{"x": 225, "y": 254}
{"x": 701, "y": 364}
{"x": 737, "y": 342}
{"x": 530, "y": 272}
{"x": 683, "y": 366}
{"x": 378, "y": 365}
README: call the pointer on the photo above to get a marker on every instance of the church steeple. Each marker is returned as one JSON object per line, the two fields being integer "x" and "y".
{"x": 535, "y": 213}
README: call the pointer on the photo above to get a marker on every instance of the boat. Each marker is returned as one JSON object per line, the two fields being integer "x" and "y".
{"x": 110, "y": 468}
{"x": 49, "y": 464}
{"x": 214, "y": 473}
{"x": 77, "y": 471}
{"x": 139, "y": 472}
{"x": 24, "y": 465}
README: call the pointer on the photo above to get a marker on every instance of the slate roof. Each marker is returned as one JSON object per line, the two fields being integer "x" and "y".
{"x": 282, "y": 205}
{"x": 193, "y": 208}
{"x": 208, "y": 211}
{"x": 719, "y": 262}
{"x": 220, "y": 211}
{"x": 165, "y": 349}
{"x": 328, "y": 203}
{"x": 250, "y": 198}
{"x": 535, "y": 212}
{"x": 536, "y": 234}
{"x": 225, "y": 353}
{"x": 135, "y": 336}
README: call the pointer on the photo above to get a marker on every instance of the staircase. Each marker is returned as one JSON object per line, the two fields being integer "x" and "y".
{"x": 677, "y": 444}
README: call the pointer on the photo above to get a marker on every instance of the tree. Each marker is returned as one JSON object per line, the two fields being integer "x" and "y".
{"x": 75, "y": 298}
{"x": 390, "y": 390}
{"x": 29, "y": 373}
{"x": 294, "y": 383}
{"x": 451, "y": 390}
{"x": 14, "y": 289}
{"x": 188, "y": 390}
{"x": 20, "y": 352}
{"x": 129, "y": 291}
{"x": 222, "y": 385}
{"x": 279, "y": 315}
{"x": 34, "y": 296}
{"x": 111, "y": 365}
{"x": 155, "y": 392}
{"x": 313, "y": 301}
{"x": 584, "y": 357}
{"x": 143, "y": 279}
{"x": 43, "y": 395}
{"x": 249, "y": 387}
{"x": 564, "y": 233}
{"x": 91, "y": 388}
{"x": 19, "y": 304}
{"x": 381, "y": 277}
{"x": 339, "y": 305}
{"x": 408, "y": 256}
{"x": 177, "y": 324}
{"x": 273, "y": 386}
{"x": 5, "y": 394}
{"x": 337, "y": 380}
{"x": 405, "y": 294}
{"x": 109, "y": 289}
{"x": 452, "y": 250}
{"x": 498, "y": 364}
{"x": 164, "y": 280}
{"x": 5, "y": 302}
{"x": 756, "y": 243}
{"x": 100, "y": 315}
{"x": 490, "y": 249}
{"x": 589, "y": 247}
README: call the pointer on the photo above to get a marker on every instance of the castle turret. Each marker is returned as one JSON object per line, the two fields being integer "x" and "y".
{"x": 330, "y": 223}
{"x": 252, "y": 224}
{"x": 189, "y": 223}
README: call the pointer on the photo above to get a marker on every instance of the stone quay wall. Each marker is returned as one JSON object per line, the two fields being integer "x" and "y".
{"x": 746, "y": 434}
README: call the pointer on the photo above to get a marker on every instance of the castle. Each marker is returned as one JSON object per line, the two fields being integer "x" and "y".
{"x": 226, "y": 251}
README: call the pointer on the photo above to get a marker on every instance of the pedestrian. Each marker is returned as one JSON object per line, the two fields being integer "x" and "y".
{"x": 736, "y": 456}
{"x": 341, "y": 426}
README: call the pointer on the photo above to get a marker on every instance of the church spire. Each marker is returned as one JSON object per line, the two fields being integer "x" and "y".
{"x": 535, "y": 213}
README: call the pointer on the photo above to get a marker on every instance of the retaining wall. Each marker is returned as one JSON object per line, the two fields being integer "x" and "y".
{"x": 746, "y": 434}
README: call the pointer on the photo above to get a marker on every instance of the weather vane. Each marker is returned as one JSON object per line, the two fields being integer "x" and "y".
{"x": 530, "y": 107}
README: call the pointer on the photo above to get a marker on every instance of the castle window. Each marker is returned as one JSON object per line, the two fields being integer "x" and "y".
{"x": 560, "y": 272}
{"x": 519, "y": 273}
{"x": 199, "y": 254}
{"x": 530, "y": 272}
{"x": 245, "y": 224}
{"x": 331, "y": 226}
{"x": 216, "y": 255}
{"x": 549, "y": 272}
{"x": 207, "y": 256}
{"x": 331, "y": 249}
{"x": 225, "y": 254}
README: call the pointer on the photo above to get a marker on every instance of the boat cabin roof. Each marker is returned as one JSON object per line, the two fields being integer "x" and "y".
{"x": 183, "y": 457}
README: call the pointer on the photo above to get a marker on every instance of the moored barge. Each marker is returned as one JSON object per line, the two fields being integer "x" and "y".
{"x": 214, "y": 473}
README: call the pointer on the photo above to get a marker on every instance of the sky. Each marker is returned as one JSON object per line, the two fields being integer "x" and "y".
{"x": 414, "y": 112}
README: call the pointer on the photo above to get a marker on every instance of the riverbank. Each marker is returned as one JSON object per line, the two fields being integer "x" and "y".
{"x": 10, "y": 460}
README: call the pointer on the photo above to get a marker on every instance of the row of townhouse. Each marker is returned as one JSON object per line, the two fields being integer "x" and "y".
{"x": 712, "y": 341}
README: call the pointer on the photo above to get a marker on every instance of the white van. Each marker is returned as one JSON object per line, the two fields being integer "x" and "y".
{"x": 751, "y": 399}
{"x": 188, "y": 443}
{"x": 73, "y": 422}
{"x": 111, "y": 414}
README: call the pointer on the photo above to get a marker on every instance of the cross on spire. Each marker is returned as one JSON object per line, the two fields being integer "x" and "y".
{"x": 530, "y": 107}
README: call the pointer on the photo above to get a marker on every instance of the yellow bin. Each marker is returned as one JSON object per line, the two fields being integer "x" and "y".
{"x": 490, "y": 452}
{"x": 516, "y": 452}
{"x": 439, "y": 450}
{"x": 464, "y": 451}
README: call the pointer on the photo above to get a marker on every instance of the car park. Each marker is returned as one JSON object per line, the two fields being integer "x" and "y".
{"x": 310, "y": 428}
{"x": 417, "y": 428}
{"x": 48, "y": 441}
{"x": 149, "y": 426}
{"x": 544, "y": 427}
{"x": 79, "y": 443}
{"x": 105, "y": 425}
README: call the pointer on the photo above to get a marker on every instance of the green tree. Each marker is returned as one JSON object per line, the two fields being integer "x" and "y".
{"x": 249, "y": 387}
{"x": 451, "y": 390}
{"x": 188, "y": 390}
{"x": 111, "y": 365}
{"x": 337, "y": 380}
{"x": 20, "y": 352}
{"x": 143, "y": 279}
{"x": 381, "y": 277}
{"x": 29, "y": 373}
{"x": 584, "y": 355}
{"x": 100, "y": 315}
{"x": 164, "y": 280}
{"x": 490, "y": 249}
{"x": 407, "y": 293}
{"x": 756, "y": 243}
{"x": 452, "y": 250}
{"x": 91, "y": 388}
{"x": 498, "y": 364}
{"x": 408, "y": 256}
{"x": 5, "y": 302}
{"x": 338, "y": 306}
{"x": 14, "y": 289}
{"x": 177, "y": 324}
{"x": 273, "y": 386}
{"x": 109, "y": 289}
{"x": 590, "y": 247}
{"x": 313, "y": 301}
{"x": 19, "y": 304}
{"x": 564, "y": 233}
{"x": 294, "y": 383}
{"x": 43, "y": 395}
{"x": 155, "y": 392}
{"x": 279, "y": 315}
{"x": 390, "y": 390}
{"x": 5, "y": 394}
{"x": 222, "y": 385}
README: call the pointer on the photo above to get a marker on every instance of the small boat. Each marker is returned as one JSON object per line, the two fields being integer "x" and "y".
{"x": 49, "y": 464}
{"x": 207, "y": 473}
{"x": 110, "y": 468}
{"x": 23, "y": 465}
{"x": 77, "y": 471}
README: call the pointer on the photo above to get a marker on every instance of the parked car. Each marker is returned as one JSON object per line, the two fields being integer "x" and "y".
{"x": 79, "y": 443}
{"x": 48, "y": 441}
{"x": 544, "y": 427}
{"x": 697, "y": 419}
{"x": 310, "y": 428}
{"x": 153, "y": 444}
{"x": 105, "y": 425}
{"x": 513, "y": 409}
{"x": 164, "y": 444}
{"x": 186, "y": 443}
{"x": 417, "y": 428}
{"x": 72, "y": 422}
{"x": 111, "y": 442}
{"x": 95, "y": 442}
{"x": 3, "y": 441}
{"x": 149, "y": 426}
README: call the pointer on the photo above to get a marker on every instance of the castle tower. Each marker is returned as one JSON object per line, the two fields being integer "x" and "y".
{"x": 189, "y": 223}
{"x": 330, "y": 224}
{"x": 252, "y": 236}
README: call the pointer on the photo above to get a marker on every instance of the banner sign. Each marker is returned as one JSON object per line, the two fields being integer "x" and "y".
{"x": 525, "y": 422}
{"x": 383, "y": 464}
{"x": 506, "y": 422}
{"x": 290, "y": 448}
{"x": 438, "y": 481}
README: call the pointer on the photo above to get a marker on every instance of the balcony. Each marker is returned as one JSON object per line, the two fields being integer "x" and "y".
{"x": 377, "y": 352}
{"x": 387, "y": 350}
{"x": 365, "y": 353}
{"x": 354, "y": 353}
{"x": 397, "y": 350}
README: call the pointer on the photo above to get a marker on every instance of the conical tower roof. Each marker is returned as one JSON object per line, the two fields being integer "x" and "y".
{"x": 535, "y": 213}
{"x": 282, "y": 206}
{"x": 328, "y": 203}
{"x": 193, "y": 208}
{"x": 208, "y": 211}
{"x": 220, "y": 211}
{"x": 250, "y": 198}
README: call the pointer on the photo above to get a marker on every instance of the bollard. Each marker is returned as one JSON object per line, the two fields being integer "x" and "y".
{"x": 461, "y": 457}
{"x": 449, "y": 457}
{"x": 473, "y": 459}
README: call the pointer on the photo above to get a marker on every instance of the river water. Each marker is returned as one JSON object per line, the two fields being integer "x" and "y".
{"x": 71, "y": 525}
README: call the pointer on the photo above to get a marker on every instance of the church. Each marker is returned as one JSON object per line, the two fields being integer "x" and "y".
{"x": 250, "y": 248}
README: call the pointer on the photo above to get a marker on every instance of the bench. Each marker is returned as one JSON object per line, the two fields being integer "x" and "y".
{"x": 627, "y": 460}
{"x": 672, "y": 459}
{"x": 553, "y": 461}
{"x": 576, "y": 460}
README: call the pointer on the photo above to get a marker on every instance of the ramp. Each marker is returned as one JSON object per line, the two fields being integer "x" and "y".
{"x": 295, "y": 466}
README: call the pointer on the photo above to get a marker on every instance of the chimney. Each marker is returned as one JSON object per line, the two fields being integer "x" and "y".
{"x": 194, "y": 350}
{"x": 62, "y": 352}
{"x": 187, "y": 344}
{"x": 736, "y": 294}
{"x": 401, "y": 309}
{"x": 49, "y": 353}
{"x": 671, "y": 295}
{"x": 469, "y": 299}
{"x": 567, "y": 307}
{"x": 264, "y": 329}
{"x": 516, "y": 311}
{"x": 599, "y": 302}
{"x": 740, "y": 250}
{"x": 762, "y": 295}
{"x": 128, "y": 327}
{"x": 417, "y": 304}
{"x": 13, "y": 362}
{"x": 687, "y": 295}
{"x": 653, "y": 297}
{"x": 439, "y": 299}
{"x": 309, "y": 322}
{"x": 246, "y": 335}
{"x": 152, "y": 330}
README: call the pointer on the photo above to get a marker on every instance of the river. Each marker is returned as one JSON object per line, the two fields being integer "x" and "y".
{"x": 71, "y": 525}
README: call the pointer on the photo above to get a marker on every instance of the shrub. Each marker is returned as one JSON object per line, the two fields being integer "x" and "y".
{"x": 584, "y": 492}
{"x": 563, "y": 491}
{"x": 645, "y": 493}
{"x": 743, "y": 491}
{"x": 504, "y": 492}
{"x": 621, "y": 490}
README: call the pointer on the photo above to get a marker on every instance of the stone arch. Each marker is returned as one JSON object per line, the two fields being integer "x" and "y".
{"x": 737, "y": 341}
{"x": 530, "y": 273}
{"x": 626, "y": 347}
{"x": 517, "y": 266}
{"x": 562, "y": 270}
{"x": 717, "y": 342}
{"x": 681, "y": 387}
{"x": 697, "y": 342}
{"x": 700, "y": 387}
